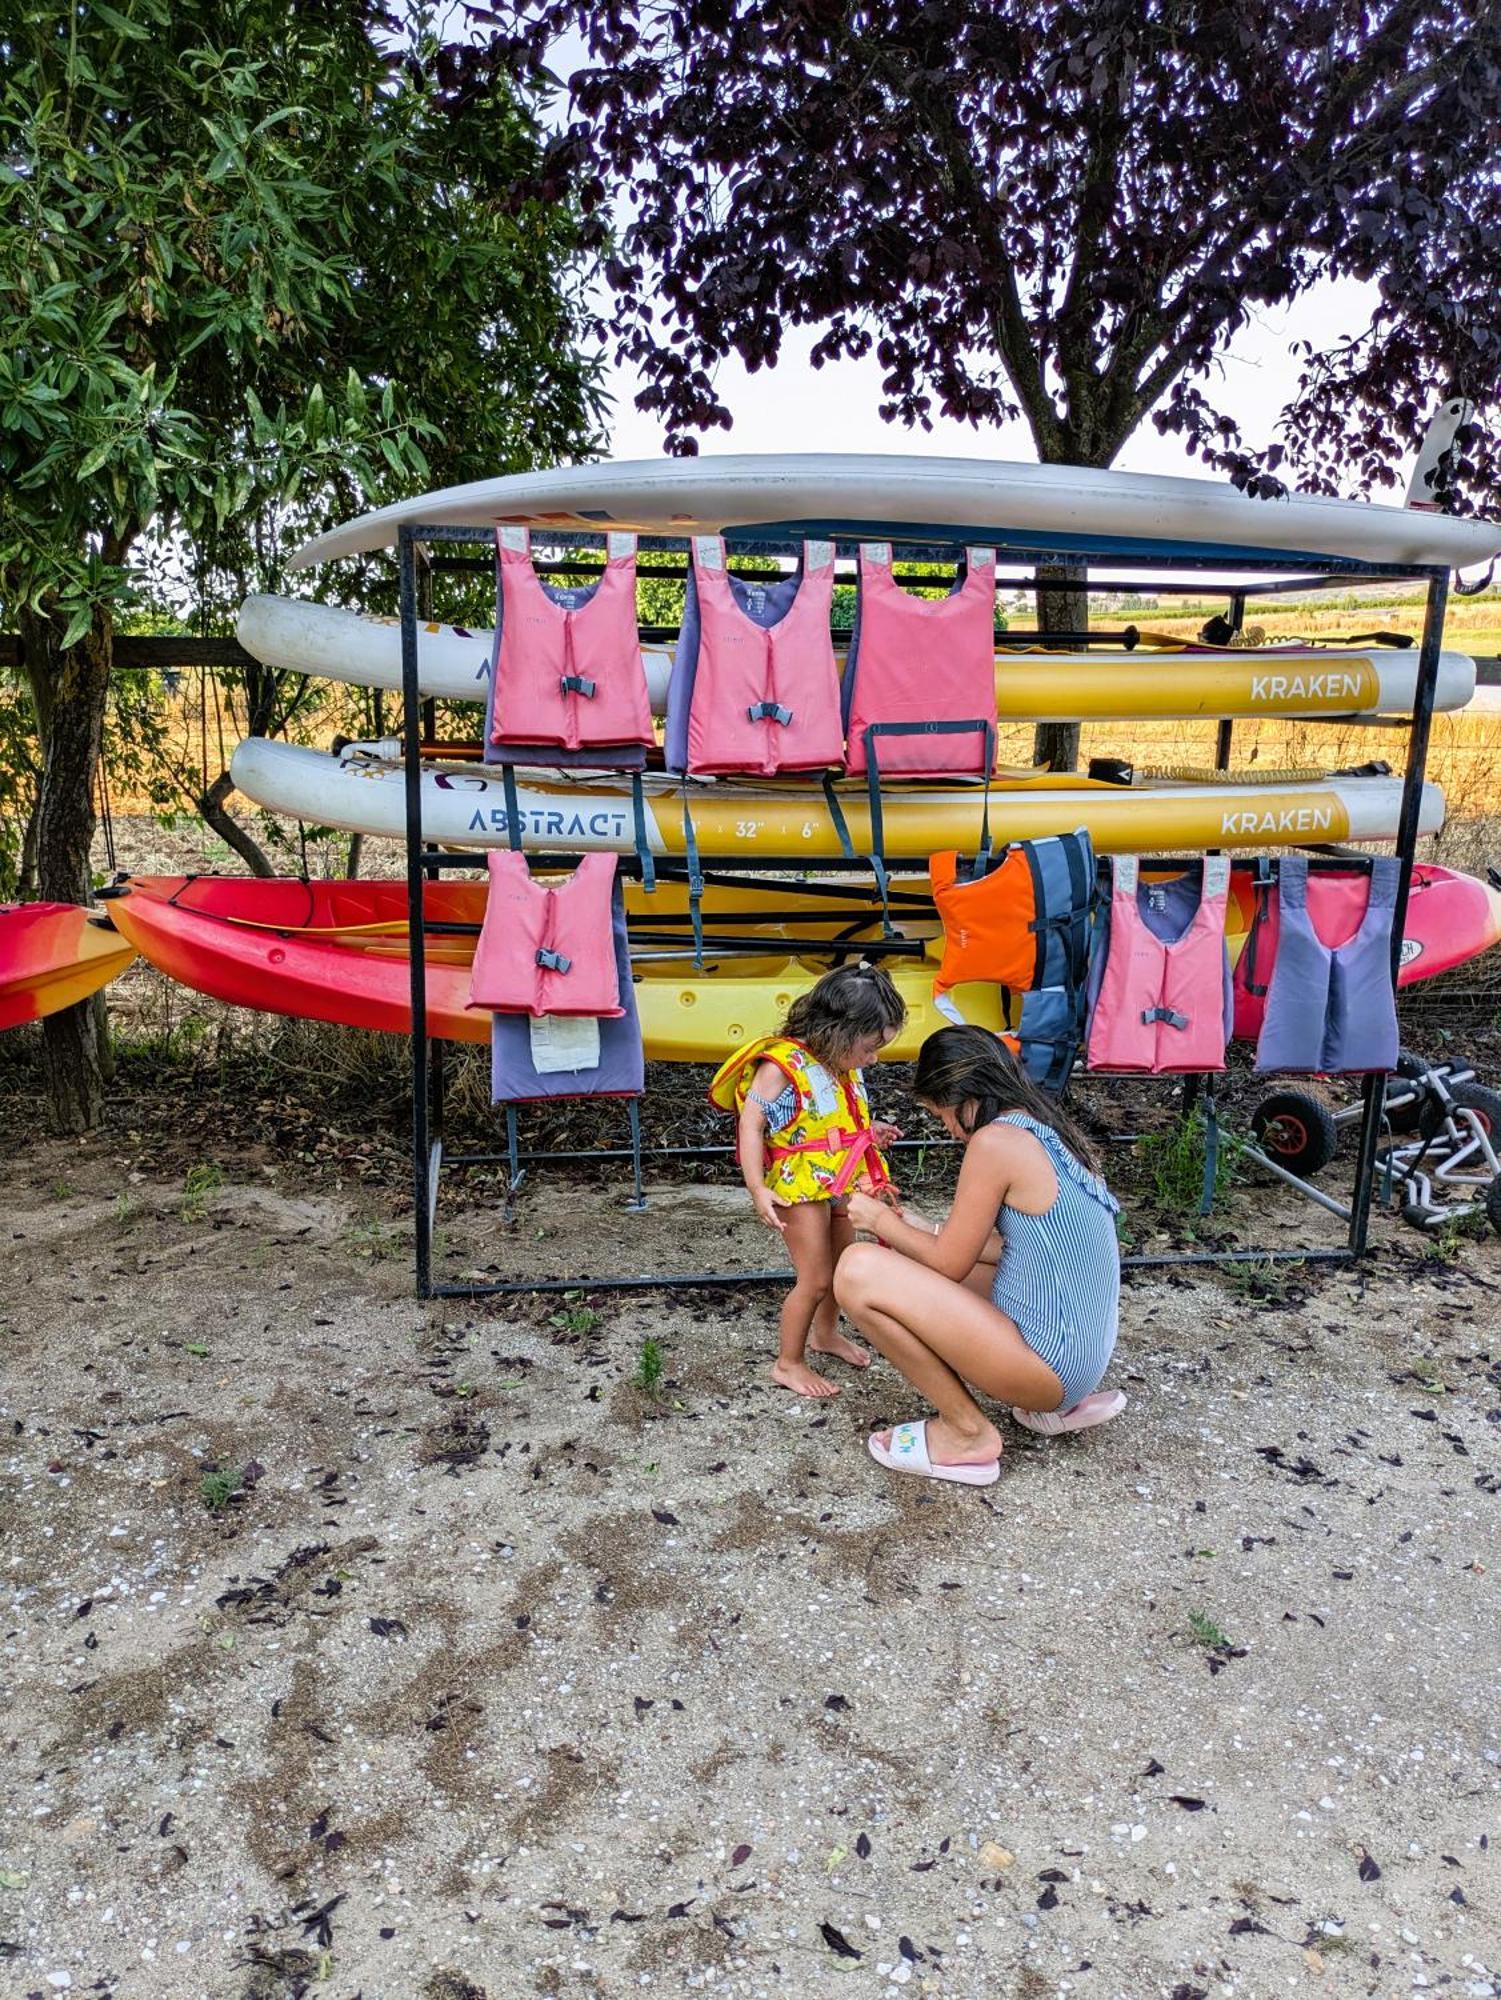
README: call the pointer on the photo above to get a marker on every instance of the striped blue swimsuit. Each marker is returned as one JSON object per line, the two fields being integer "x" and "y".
{"x": 1059, "y": 1277}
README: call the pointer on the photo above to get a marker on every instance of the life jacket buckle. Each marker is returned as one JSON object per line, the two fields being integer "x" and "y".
{"x": 1168, "y": 1016}
{"x": 770, "y": 711}
{"x": 578, "y": 684}
{"x": 553, "y": 961}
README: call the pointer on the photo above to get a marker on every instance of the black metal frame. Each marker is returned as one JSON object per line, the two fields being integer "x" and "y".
{"x": 423, "y": 864}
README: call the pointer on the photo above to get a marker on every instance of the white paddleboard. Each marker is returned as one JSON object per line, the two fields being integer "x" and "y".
{"x": 464, "y": 806}
{"x": 1122, "y": 516}
{"x": 454, "y": 664}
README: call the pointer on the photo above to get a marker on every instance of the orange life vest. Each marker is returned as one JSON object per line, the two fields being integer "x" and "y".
{"x": 1023, "y": 923}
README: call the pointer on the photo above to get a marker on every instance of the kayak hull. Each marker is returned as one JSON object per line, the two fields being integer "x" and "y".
{"x": 466, "y": 807}
{"x": 337, "y": 951}
{"x": 454, "y": 664}
{"x": 52, "y": 955}
{"x": 266, "y": 945}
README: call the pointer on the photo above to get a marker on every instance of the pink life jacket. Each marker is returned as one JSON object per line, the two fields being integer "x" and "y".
{"x": 1161, "y": 1004}
{"x": 765, "y": 698}
{"x": 916, "y": 660}
{"x": 569, "y": 675}
{"x": 547, "y": 948}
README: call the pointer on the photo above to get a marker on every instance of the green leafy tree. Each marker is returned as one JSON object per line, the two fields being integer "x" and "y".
{"x": 252, "y": 278}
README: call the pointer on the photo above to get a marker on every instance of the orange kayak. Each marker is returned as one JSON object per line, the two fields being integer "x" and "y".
{"x": 338, "y": 951}
{"x": 52, "y": 955}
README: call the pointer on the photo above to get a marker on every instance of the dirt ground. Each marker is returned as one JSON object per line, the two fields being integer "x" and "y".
{"x": 355, "y": 1647}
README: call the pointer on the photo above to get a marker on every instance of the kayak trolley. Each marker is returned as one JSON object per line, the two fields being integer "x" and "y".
{"x": 1438, "y": 1162}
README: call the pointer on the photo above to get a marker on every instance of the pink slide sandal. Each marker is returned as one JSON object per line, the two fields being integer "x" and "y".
{"x": 1099, "y": 1408}
{"x": 908, "y": 1452}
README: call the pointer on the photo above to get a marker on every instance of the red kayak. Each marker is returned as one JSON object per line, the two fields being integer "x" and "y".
{"x": 53, "y": 955}
{"x": 337, "y": 951}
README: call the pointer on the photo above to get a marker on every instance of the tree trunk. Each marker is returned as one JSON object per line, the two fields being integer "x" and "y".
{"x": 1056, "y": 744}
{"x": 356, "y": 850}
{"x": 26, "y": 868}
{"x": 69, "y": 689}
{"x": 211, "y": 811}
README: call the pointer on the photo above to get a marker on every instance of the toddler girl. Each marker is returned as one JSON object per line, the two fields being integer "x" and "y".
{"x": 805, "y": 1140}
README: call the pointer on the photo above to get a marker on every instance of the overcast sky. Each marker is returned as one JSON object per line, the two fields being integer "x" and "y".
{"x": 795, "y": 407}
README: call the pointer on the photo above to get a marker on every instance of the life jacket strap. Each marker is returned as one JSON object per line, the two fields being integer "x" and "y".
{"x": 513, "y": 805}
{"x": 578, "y": 684}
{"x": 837, "y": 818}
{"x": 873, "y": 785}
{"x": 1261, "y": 892}
{"x": 860, "y": 1155}
{"x": 695, "y": 886}
{"x": 643, "y": 845}
{"x": 1166, "y": 1015}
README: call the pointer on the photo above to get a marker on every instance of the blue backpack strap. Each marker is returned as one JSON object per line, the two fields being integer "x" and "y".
{"x": 1062, "y": 871}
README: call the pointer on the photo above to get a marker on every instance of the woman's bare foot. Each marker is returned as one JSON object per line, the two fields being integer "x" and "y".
{"x": 801, "y": 1380}
{"x": 839, "y": 1347}
{"x": 950, "y": 1446}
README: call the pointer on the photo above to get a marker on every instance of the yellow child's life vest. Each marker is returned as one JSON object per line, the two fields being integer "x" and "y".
{"x": 827, "y": 1145}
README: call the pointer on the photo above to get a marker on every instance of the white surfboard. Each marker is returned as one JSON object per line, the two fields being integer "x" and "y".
{"x": 454, "y": 664}
{"x": 465, "y": 806}
{"x": 1106, "y": 515}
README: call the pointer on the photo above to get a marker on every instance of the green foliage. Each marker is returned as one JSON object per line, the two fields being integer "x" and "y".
{"x": 1175, "y": 1162}
{"x": 201, "y": 1182}
{"x": 651, "y": 1364}
{"x": 1205, "y": 1632}
{"x": 217, "y": 1489}
{"x": 251, "y": 277}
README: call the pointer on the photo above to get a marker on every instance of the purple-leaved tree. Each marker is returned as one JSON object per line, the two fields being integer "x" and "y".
{"x": 1038, "y": 207}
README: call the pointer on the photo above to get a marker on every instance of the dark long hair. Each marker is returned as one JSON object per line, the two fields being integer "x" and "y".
{"x": 960, "y": 1068}
{"x": 845, "y": 1006}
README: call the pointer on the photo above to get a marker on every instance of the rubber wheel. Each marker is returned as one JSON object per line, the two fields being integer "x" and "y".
{"x": 1297, "y": 1130}
{"x": 1412, "y": 1069}
{"x": 1493, "y": 1205}
{"x": 1486, "y": 1105}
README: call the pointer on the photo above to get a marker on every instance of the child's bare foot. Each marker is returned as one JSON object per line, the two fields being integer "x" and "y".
{"x": 801, "y": 1380}
{"x": 948, "y": 1446}
{"x": 839, "y": 1347}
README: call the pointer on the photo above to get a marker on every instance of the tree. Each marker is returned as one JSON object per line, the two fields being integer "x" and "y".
{"x": 253, "y": 276}
{"x": 1044, "y": 208}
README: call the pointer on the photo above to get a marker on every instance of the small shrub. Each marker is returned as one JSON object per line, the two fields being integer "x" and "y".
{"x": 1175, "y": 1163}
{"x": 202, "y": 1180}
{"x": 650, "y": 1365}
{"x": 217, "y": 1489}
{"x": 1206, "y": 1633}
{"x": 574, "y": 1317}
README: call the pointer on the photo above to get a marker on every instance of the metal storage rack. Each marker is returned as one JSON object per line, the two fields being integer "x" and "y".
{"x": 423, "y": 553}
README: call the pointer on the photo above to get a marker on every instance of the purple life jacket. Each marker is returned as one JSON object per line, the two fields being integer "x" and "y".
{"x": 621, "y": 1072}
{"x": 1331, "y": 1010}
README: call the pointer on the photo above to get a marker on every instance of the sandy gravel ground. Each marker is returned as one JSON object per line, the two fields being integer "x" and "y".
{"x": 498, "y": 1676}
